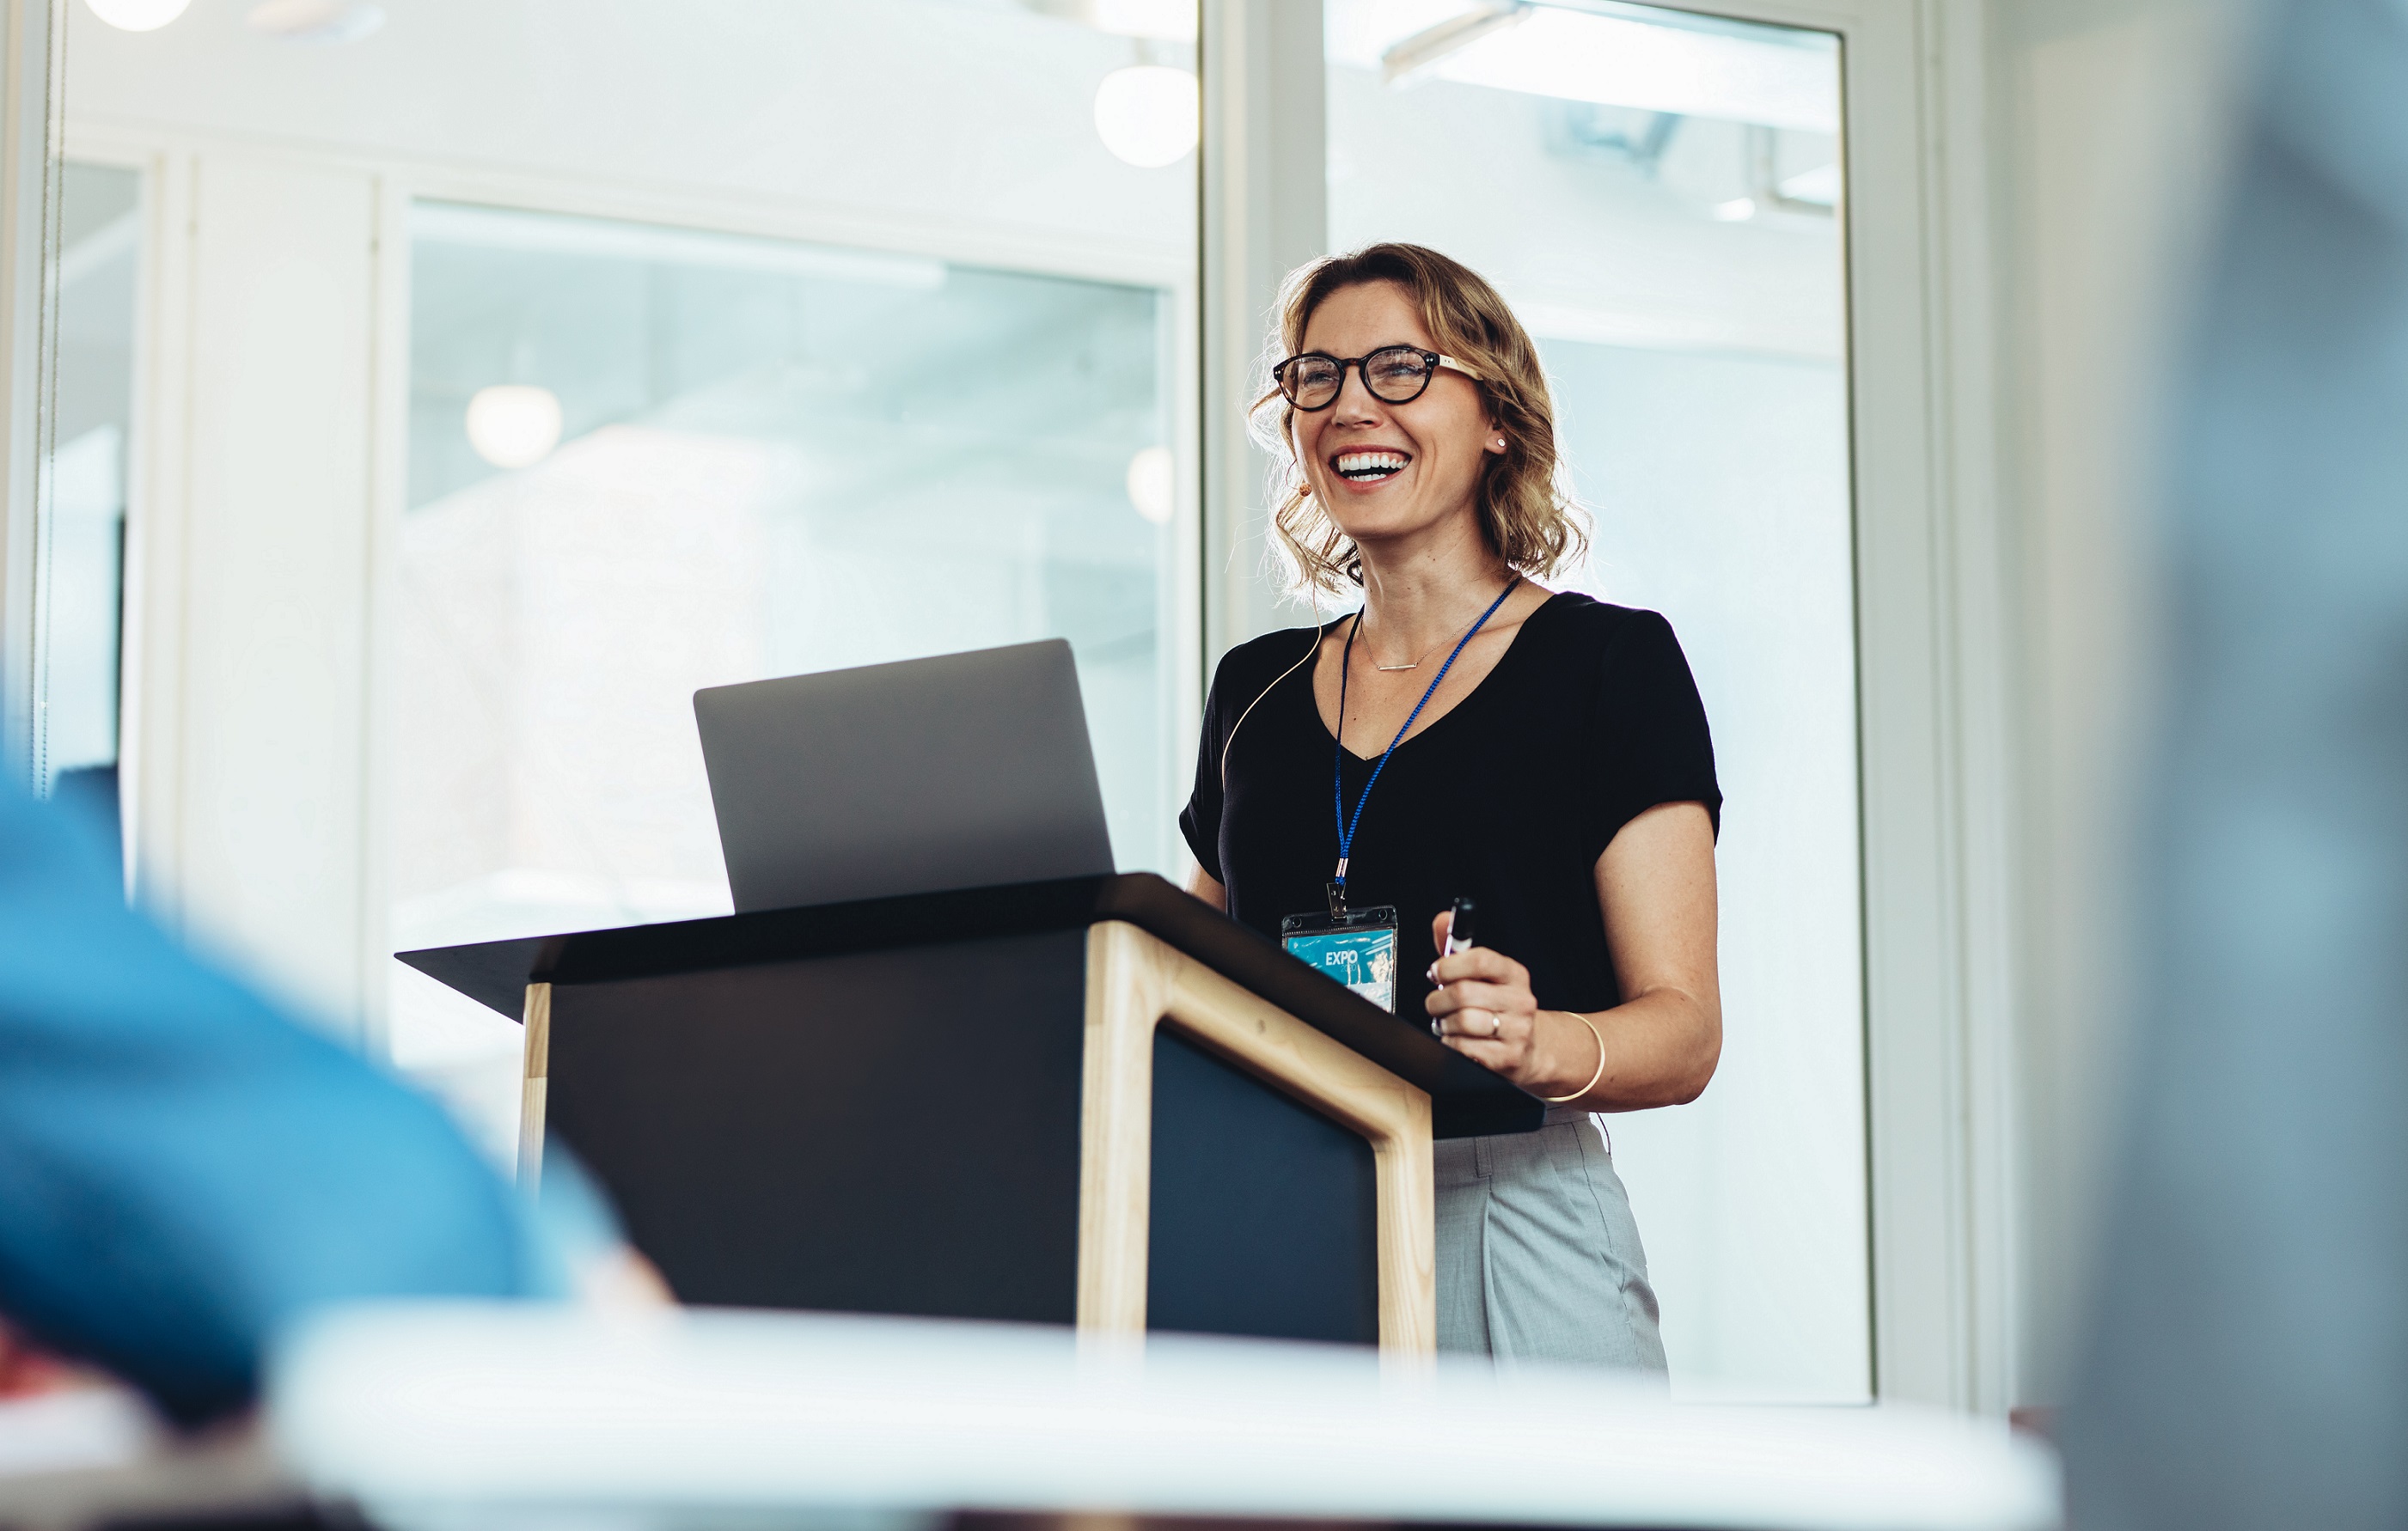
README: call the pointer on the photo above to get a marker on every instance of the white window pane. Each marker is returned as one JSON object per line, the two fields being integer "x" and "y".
{"x": 1656, "y": 194}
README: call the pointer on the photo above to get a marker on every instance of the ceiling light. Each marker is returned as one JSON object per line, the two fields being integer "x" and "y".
{"x": 1739, "y": 210}
{"x": 137, "y": 15}
{"x": 1146, "y": 114}
{"x": 1153, "y": 488}
{"x": 1430, "y": 45}
{"x": 316, "y": 20}
{"x": 1779, "y": 77}
{"x": 513, "y": 425}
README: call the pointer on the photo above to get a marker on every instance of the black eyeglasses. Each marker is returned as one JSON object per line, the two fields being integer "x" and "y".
{"x": 1393, "y": 374}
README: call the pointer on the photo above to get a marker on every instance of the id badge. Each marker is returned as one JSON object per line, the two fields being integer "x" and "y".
{"x": 1358, "y": 949}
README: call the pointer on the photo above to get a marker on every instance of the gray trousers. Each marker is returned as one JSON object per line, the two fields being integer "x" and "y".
{"x": 1537, "y": 1254}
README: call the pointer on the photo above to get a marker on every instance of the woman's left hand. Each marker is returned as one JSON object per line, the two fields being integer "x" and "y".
{"x": 1483, "y": 1008}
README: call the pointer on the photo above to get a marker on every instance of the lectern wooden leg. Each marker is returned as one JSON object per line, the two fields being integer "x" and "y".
{"x": 1136, "y": 982}
{"x": 535, "y": 1076}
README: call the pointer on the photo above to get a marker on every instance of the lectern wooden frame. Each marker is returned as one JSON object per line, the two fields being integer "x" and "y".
{"x": 673, "y": 1031}
{"x": 1136, "y": 982}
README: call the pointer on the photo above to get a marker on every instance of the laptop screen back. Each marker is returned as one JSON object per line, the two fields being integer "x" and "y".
{"x": 956, "y": 772}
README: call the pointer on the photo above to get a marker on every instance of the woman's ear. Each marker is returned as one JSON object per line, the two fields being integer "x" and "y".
{"x": 1497, "y": 440}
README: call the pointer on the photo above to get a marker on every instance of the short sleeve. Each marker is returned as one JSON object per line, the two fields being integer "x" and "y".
{"x": 1655, "y": 744}
{"x": 1200, "y": 820}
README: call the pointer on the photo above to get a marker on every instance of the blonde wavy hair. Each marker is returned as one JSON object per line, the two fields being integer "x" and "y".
{"x": 1525, "y": 511}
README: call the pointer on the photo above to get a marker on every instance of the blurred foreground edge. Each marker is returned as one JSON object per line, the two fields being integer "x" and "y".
{"x": 461, "y": 1414}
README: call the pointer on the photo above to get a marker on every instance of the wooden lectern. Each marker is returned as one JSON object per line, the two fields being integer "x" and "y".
{"x": 1092, "y": 1101}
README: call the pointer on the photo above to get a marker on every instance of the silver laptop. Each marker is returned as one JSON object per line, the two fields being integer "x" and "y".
{"x": 954, "y": 772}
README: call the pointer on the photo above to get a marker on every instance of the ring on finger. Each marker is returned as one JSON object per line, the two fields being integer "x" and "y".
{"x": 1495, "y": 1023}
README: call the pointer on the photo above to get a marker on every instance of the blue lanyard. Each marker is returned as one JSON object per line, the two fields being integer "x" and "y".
{"x": 1338, "y": 766}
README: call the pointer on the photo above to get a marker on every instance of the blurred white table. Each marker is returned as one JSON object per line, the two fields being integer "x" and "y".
{"x": 446, "y": 1416}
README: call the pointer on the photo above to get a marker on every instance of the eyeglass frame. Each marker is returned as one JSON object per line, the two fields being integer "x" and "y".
{"x": 1431, "y": 359}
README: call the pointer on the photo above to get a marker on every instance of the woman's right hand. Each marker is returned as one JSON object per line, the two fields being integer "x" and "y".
{"x": 1483, "y": 1008}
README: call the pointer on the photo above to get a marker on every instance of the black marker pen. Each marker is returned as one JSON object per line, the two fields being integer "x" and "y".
{"x": 1458, "y": 929}
{"x": 1458, "y": 938}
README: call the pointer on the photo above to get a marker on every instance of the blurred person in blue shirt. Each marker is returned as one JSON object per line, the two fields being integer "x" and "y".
{"x": 184, "y": 1171}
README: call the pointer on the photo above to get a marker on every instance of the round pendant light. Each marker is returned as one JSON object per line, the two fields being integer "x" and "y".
{"x": 1147, "y": 114}
{"x": 514, "y": 426}
{"x": 1151, "y": 486}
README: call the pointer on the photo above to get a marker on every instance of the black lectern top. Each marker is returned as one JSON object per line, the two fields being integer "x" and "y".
{"x": 1466, "y": 1100}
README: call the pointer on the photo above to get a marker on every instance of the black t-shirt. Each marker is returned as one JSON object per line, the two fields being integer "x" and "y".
{"x": 1589, "y": 719}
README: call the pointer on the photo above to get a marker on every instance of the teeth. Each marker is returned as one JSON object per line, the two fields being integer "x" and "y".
{"x": 1369, "y": 464}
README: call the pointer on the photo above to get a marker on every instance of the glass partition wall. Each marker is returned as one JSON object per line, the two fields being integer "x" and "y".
{"x": 646, "y": 460}
{"x": 1655, "y": 193}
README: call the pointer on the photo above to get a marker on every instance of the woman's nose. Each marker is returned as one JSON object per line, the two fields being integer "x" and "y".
{"x": 1354, "y": 401}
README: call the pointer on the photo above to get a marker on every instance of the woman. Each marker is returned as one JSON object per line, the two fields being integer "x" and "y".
{"x": 1542, "y": 753}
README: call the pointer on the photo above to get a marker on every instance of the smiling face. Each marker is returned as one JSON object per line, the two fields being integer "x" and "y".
{"x": 1388, "y": 473}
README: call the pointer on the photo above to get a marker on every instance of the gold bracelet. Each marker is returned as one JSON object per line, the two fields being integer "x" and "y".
{"x": 1558, "y": 1100}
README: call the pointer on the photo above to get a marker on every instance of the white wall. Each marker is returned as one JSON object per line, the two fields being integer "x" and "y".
{"x": 272, "y": 814}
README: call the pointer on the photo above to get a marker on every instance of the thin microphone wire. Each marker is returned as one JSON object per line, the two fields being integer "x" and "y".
{"x": 1309, "y": 649}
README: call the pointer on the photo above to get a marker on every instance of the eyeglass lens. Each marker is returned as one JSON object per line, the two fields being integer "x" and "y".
{"x": 1397, "y": 375}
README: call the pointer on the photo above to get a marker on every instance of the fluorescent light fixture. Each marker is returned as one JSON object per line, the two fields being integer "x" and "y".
{"x": 514, "y": 426}
{"x": 1147, "y": 114}
{"x": 1433, "y": 44}
{"x": 499, "y": 228}
{"x": 1153, "y": 487}
{"x": 137, "y": 15}
{"x": 1777, "y": 77}
{"x": 1355, "y": 33}
{"x": 1739, "y": 210}
{"x": 316, "y": 20}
